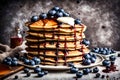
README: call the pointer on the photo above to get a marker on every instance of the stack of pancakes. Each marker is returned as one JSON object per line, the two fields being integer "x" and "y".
{"x": 56, "y": 43}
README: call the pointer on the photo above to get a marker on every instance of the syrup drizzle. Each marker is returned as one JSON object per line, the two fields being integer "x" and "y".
{"x": 75, "y": 37}
{"x": 65, "y": 52}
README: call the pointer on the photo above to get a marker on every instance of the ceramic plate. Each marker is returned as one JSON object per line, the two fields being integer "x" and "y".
{"x": 48, "y": 67}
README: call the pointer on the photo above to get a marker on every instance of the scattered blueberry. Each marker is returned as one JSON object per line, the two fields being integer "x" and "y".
{"x": 77, "y": 21}
{"x": 79, "y": 74}
{"x": 96, "y": 50}
{"x": 37, "y": 69}
{"x": 103, "y": 76}
{"x": 86, "y": 62}
{"x": 14, "y": 59}
{"x": 41, "y": 74}
{"x": 16, "y": 77}
{"x": 26, "y": 70}
{"x": 97, "y": 75}
{"x": 86, "y": 42}
{"x": 34, "y": 18}
{"x": 105, "y": 62}
{"x": 86, "y": 71}
{"x": 73, "y": 69}
{"x": 28, "y": 74}
{"x": 43, "y": 16}
{"x": 112, "y": 58}
{"x": 45, "y": 72}
{"x": 95, "y": 70}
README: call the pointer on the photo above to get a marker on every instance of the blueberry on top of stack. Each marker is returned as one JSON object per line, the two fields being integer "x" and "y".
{"x": 56, "y": 38}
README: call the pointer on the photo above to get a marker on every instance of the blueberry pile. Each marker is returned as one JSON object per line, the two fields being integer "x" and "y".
{"x": 85, "y": 71}
{"x": 103, "y": 51}
{"x": 11, "y": 61}
{"x": 55, "y": 12}
{"x": 33, "y": 61}
{"x": 88, "y": 59}
{"x": 37, "y": 70}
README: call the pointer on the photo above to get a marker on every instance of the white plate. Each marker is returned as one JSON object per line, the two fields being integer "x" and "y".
{"x": 48, "y": 67}
{"x": 107, "y": 56}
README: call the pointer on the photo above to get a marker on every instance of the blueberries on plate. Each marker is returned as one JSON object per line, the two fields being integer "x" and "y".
{"x": 79, "y": 74}
{"x": 43, "y": 16}
{"x": 34, "y": 18}
{"x": 86, "y": 71}
{"x": 92, "y": 60}
{"x": 26, "y": 61}
{"x": 51, "y": 13}
{"x": 32, "y": 62}
{"x": 77, "y": 21}
{"x": 97, "y": 75}
{"x": 56, "y": 8}
{"x": 59, "y": 14}
{"x": 86, "y": 56}
{"x": 28, "y": 74}
{"x": 86, "y": 62}
{"x": 73, "y": 69}
{"x": 106, "y": 63}
{"x": 70, "y": 64}
{"x": 14, "y": 63}
{"x": 36, "y": 60}
{"x": 95, "y": 70}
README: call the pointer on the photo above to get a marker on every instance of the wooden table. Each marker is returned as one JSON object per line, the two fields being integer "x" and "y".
{"x": 65, "y": 75}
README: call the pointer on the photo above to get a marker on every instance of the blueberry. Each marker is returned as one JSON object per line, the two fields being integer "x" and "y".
{"x": 45, "y": 72}
{"x": 59, "y": 14}
{"x": 9, "y": 63}
{"x": 70, "y": 64}
{"x": 92, "y": 60}
{"x": 94, "y": 56}
{"x": 97, "y": 75}
{"x": 103, "y": 76}
{"x": 112, "y": 51}
{"x": 43, "y": 16}
{"x": 26, "y": 70}
{"x": 56, "y": 8}
{"x": 112, "y": 58}
{"x": 14, "y": 59}
{"x": 32, "y": 62}
{"x": 86, "y": 71}
{"x": 101, "y": 49}
{"x": 41, "y": 74}
{"x": 86, "y": 62}
{"x": 95, "y": 70}
{"x": 86, "y": 56}
{"x": 61, "y": 10}
{"x": 37, "y": 69}
{"x": 51, "y": 13}
{"x": 34, "y": 18}
{"x": 28, "y": 74}
{"x": 26, "y": 61}
{"x": 105, "y": 62}
{"x": 14, "y": 63}
{"x": 5, "y": 61}
{"x": 16, "y": 77}
{"x": 77, "y": 21}
{"x": 8, "y": 58}
{"x": 96, "y": 50}
{"x": 86, "y": 42}
{"x": 73, "y": 70}
{"x": 79, "y": 74}
{"x": 66, "y": 14}
{"x": 37, "y": 60}
{"x": 104, "y": 52}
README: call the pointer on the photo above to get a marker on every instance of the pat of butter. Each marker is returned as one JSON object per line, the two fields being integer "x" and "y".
{"x": 67, "y": 20}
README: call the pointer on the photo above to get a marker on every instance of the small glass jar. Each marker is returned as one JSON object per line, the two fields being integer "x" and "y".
{"x": 16, "y": 38}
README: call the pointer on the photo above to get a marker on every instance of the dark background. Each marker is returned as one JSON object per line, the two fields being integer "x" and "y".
{"x": 102, "y": 18}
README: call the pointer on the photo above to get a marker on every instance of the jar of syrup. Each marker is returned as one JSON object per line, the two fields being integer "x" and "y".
{"x": 16, "y": 38}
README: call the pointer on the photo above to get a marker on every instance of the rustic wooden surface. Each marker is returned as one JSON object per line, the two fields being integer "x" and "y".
{"x": 65, "y": 75}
